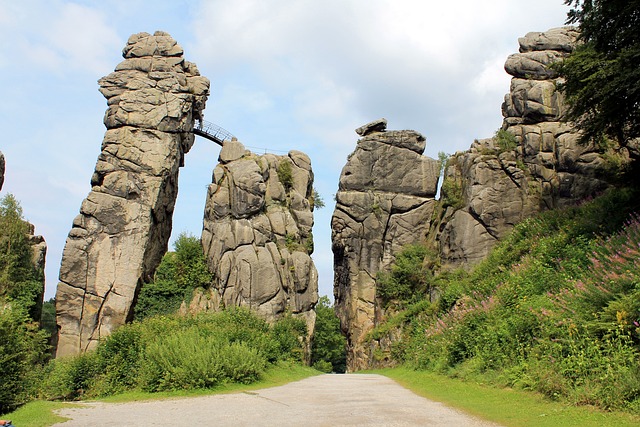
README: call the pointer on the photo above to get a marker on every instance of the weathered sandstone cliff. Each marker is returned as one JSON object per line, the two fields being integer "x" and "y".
{"x": 116, "y": 242}
{"x": 533, "y": 163}
{"x": 257, "y": 235}
{"x": 384, "y": 202}
{"x": 385, "y": 198}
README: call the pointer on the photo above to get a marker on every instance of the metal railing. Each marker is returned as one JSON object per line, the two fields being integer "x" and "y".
{"x": 212, "y": 132}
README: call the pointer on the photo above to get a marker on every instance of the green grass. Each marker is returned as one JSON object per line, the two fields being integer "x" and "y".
{"x": 41, "y": 413}
{"x": 37, "y": 414}
{"x": 508, "y": 407}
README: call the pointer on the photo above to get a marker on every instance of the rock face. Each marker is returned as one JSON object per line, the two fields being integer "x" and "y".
{"x": 533, "y": 163}
{"x": 117, "y": 241}
{"x": 385, "y": 199}
{"x": 257, "y": 234}
{"x": 386, "y": 193}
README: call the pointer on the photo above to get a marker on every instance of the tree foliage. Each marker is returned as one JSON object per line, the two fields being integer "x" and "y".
{"x": 178, "y": 274}
{"x": 603, "y": 73}
{"x": 328, "y": 353}
{"x": 411, "y": 276}
{"x": 20, "y": 280}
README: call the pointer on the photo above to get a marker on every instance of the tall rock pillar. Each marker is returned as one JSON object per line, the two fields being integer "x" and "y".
{"x": 257, "y": 235}
{"x": 385, "y": 201}
{"x": 118, "y": 239}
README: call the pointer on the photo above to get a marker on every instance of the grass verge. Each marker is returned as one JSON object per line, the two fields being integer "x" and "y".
{"x": 512, "y": 408}
{"x": 41, "y": 413}
{"x": 37, "y": 414}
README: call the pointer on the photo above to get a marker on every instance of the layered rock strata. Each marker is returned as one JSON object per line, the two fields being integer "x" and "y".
{"x": 117, "y": 241}
{"x": 533, "y": 163}
{"x": 257, "y": 235}
{"x": 384, "y": 202}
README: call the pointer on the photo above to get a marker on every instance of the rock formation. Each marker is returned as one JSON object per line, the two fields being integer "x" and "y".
{"x": 384, "y": 201}
{"x": 533, "y": 163}
{"x": 257, "y": 234}
{"x": 117, "y": 241}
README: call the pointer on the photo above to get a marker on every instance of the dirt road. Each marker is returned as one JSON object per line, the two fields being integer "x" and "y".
{"x": 325, "y": 400}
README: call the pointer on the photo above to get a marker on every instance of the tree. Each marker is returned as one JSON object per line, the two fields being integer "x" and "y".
{"x": 178, "y": 274}
{"x": 410, "y": 278}
{"x": 328, "y": 352}
{"x": 20, "y": 280}
{"x": 602, "y": 75}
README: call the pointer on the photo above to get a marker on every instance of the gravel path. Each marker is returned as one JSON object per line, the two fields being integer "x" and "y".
{"x": 324, "y": 400}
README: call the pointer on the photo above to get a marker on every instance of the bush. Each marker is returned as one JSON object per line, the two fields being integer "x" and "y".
{"x": 410, "y": 278}
{"x": 452, "y": 193}
{"x": 174, "y": 352}
{"x": 190, "y": 360}
{"x": 554, "y": 308}
{"x": 285, "y": 174}
{"x": 506, "y": 140}
{"x": 22, "y": 348}
{"x": 178, "y": 274}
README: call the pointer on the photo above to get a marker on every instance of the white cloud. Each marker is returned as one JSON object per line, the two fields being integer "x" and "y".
{"x": 58, "y": 37}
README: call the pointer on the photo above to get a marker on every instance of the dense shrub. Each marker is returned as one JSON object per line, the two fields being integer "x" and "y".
{"x": 177, "y": 353}
{"x": 410, "y": 278}
{"x": 178, "y": 274}
{"x": 22, "y": 347}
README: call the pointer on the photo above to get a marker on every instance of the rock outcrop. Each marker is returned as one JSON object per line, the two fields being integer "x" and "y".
{"x": 257, "y": 234}
{"x": 117, "y": 241}
{"x": 533, "y": 163}
{"x": 384, "y": 202}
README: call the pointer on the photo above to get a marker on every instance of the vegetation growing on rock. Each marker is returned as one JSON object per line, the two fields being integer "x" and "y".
{"x": 178, "y": 274}
{"x": 554, "y": 308}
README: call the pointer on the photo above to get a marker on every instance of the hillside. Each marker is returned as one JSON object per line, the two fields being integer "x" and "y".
{"x": 554, "y": 308}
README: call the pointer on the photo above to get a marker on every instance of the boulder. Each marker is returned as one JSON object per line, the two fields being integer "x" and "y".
{"x": 122, "y": 231}
{"x": 379, "y": 125}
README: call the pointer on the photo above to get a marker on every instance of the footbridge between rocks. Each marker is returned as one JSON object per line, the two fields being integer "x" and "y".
{"x": 212, "y": 132}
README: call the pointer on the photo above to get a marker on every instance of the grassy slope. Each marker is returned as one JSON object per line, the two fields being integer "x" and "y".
{"x": 41, "y": 413}
{"x": 505, "y": 406}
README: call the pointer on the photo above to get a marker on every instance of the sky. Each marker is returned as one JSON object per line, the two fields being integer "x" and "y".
{"x": 285, "y": 74}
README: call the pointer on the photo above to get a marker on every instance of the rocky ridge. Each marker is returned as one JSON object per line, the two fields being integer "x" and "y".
{"x": 533, "y": 163}
{"x": 257, "y": 235}
{"x": 154, "y": 97}
{"x": 386, "y": 192}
